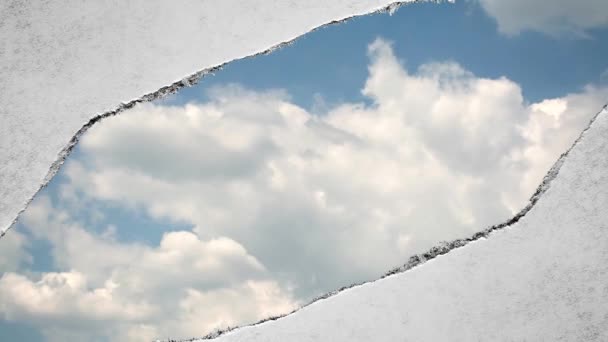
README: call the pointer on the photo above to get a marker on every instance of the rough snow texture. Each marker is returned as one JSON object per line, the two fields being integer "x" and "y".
{"x": 64, "y": 62}
{"x": 543, "y": 278}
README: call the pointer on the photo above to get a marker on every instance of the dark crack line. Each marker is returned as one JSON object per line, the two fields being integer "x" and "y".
{"x": 440, "y": 249}
{"x": 187, "y": 81}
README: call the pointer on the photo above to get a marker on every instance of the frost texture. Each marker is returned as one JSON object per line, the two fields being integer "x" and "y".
{"x": 542, "y": 278}
{"x": 63, "y": 63}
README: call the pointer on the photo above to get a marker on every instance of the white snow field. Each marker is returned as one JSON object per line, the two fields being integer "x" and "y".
{"x": 63, "y": 63}
{"x": 544, "y": 278}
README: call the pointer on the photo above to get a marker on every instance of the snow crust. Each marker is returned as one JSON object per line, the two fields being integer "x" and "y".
{"x": 543, "y": 278}
{"x": 62, "y": 63}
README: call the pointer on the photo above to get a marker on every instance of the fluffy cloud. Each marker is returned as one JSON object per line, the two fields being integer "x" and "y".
{"x": 552, "y": 126}
{"x": 66, "y": 308}
{"x": 286, "y": 204}
{"x": 130, "y": 292}
{"x": 342, "y": 196}
{"x": 556, "y": 18}
{"x": 205, "y": 311}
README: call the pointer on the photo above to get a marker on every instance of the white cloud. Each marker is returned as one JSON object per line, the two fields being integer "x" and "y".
{"x": 63, "y": 305}
{"x": 64, "y": 294}
{"x": 123, "y": 291}
{"x": 553, "y": 126}
{"x": 229, "y": 307}
{"x": 281, "y": 196}
{"x": 334, "y": 197}
{"x": 562, "y": 17}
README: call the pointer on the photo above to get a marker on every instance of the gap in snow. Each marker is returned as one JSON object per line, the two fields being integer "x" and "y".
{"x": 286, "y": 176}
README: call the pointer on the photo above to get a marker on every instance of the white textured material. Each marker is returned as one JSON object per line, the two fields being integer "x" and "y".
{"x": 62, "y": 63}
{"x": 542, "y": 279}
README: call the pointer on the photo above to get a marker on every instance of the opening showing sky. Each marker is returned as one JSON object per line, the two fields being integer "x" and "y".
{"x": 285, "y": 176}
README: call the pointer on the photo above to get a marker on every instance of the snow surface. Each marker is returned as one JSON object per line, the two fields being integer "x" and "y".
{"x": 62, "y": 63}
{"x": 544, "y": 278}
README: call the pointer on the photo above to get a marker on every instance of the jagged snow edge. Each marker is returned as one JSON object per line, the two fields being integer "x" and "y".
{"x": 186, "y": 82}
{"x": 433, "y": 252}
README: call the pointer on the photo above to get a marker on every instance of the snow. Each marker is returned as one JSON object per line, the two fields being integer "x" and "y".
{"x": 62, "y": 63}
{"x": 542, "y": 278}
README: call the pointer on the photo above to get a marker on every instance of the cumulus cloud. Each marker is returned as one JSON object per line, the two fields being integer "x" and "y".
{"x": 346, "y": 194}
{"x": 132, "y": 291}
{"x": 562, "y": 17}
{"x": 287, "y": 204}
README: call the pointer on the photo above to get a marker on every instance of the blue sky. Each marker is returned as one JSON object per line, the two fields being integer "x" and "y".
{"x": 331, "y": 63}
